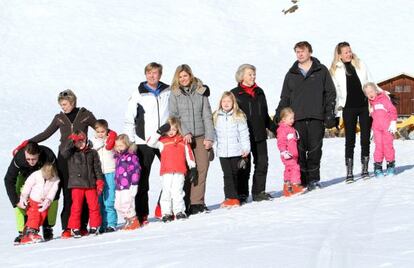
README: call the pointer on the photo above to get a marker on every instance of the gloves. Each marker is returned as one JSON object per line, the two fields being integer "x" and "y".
{"x": 286, "y": 155}
{"x": 194, "y": 175}
{"x": 21, "y": 146}
{"x": 99, "y": 186}
{"x": 110, "y": 141}
{"x": 22, "y": 202}
{"x": 164, "y": 129}
{"x": 45, "y": 205}
{"x": 77, "y": 137}
{"x": 330, "y": 121}
{"x": 393, "y": 127}
{"x": 242, "y": 163}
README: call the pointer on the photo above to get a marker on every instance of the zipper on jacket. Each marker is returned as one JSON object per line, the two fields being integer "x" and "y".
{"x": 71, "y": 124}
{"x": 250, "y": 108}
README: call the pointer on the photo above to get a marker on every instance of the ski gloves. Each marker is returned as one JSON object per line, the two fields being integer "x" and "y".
{"x": 21, "y": 146}
{"x": 194, "y": 175}
{"x": 99, "y": 186}
{"x": 393, "y": 127}
{"x": 330, "y": 117}
{"x": 286, "y": 155}
{"x": 162, "y": 130}
{"x": 44, "y": 205}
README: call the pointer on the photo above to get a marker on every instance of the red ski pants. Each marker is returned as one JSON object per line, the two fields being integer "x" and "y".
{"x": 35, "y": 218}
{"x": 78, "y": 194}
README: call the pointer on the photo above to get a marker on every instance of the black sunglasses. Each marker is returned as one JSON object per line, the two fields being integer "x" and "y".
{"x": 343, "y": 44}
{"x": 63, "y": 94}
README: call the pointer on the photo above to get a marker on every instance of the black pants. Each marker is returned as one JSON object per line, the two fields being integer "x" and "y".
{"x": 351, "y": 116}
{"x": 311, "y": 132}
{"x": 230, "y": 170}
{"x": 62, "y": 164}
{"x": 146, "y": 156}
{"x": 261, "y": 163}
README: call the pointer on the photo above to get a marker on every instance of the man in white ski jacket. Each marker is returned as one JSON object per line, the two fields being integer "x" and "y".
{"x": 147, "y": 110}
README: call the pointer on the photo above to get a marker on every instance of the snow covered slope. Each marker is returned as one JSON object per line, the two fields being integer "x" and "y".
{"x": 99, "y": 49}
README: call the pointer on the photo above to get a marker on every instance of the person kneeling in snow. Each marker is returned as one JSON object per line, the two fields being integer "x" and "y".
{"x": 37, "y": 194}
{"x": 174, "y": 155}
{"x": 127, "y": 176}
{"x": 85, "y": 181}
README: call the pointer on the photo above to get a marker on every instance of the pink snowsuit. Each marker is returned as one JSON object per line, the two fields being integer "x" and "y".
{"x": 287, "y": 141}
{"x": 383, "y": 112}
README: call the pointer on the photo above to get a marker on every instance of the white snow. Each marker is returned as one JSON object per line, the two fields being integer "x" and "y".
{"x": 100, "y": 48}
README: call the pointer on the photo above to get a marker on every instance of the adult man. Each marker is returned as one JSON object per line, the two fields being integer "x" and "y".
{"x": 147, "y": 111}
{"x": 309, "y": 90}
{"x": 26, "y": 161}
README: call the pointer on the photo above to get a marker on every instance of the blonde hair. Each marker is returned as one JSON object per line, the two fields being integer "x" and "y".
{"x": 125, "y": 139}
{"x": 285, "y": 112}
{"x": 371, "y": 84}
{"x": 240, "y": 71}
{"x": 68, "y": 95}
{"x": 174, "y": 121}
{"x": 355, "y": 60}
{"x": 237, "y": 115}
{"x": 153, "y": 65}
{"x": 48, "y": 171}
{"x": 175, "y": 84}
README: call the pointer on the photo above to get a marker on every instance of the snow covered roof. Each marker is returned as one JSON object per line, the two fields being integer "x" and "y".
{"x": 395, "y": 76}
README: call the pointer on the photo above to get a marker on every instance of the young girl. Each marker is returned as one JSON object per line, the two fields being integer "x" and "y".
{"x": 37, "y": 194}
{"x": 175, "y": 153}
{"x": 127, "y": 175}
{"x": 287, "y": 138}
{"x": 85, "y": 181}
{"x": 107, "y": 199}
{"x": 233, "y": 144}
{"x": 384, "y": 118}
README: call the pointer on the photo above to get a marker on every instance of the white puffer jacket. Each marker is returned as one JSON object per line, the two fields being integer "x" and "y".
{"x": 105, "y": 156}
{"x": 339, "y": 79}
{"x": 38, "y": 189}
{"x": 232, "y": 136}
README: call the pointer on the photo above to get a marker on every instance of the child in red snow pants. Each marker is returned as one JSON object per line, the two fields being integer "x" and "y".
{"x": 78, "y": 195}
{"x": 35, "y": 218}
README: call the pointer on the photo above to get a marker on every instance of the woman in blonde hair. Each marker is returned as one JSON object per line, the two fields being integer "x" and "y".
{"x": 252, "y": 101}
{"x": 349, "y": 73}
{"x": 189, "y": 103}
{"x": 233, "y": 144}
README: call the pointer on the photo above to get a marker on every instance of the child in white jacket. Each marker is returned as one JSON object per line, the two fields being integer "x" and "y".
{"x": 37, "y": 194}
{"x": 106, "y": 156}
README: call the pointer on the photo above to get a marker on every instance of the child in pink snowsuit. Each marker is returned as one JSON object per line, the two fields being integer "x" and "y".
{"x": 384, "y": 117}
{"x": 287, "y": 138}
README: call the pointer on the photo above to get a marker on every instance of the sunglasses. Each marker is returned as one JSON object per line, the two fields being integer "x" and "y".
{"x": 343, "y": 44}
{"x": 64, "y": 93}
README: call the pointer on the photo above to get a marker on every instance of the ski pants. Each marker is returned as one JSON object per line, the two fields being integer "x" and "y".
{"x": 172, "y": 197}
{"x": 351, "y": 116}
{"x": 230, "y": 176}
{"x": 35, "y": 218}
{"x": 107, "y": 202}
{"x": 125, "y": 201}
{"x": 384, "y": 147}
{"x": 78, "y": 197}
{"x": 292, "y": 171}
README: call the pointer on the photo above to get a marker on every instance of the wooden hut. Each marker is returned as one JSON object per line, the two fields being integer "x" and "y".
{"x": 402, "y": 86}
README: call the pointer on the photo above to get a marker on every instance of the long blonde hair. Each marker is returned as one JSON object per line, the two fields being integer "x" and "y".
{"x": 174, "y": 121}
{"x": 125, "y": 139}
{"x": 48, "y": 171}
{"x": 355, "y": 60}
{"x": 175, "y": 84}
{"x": 237, "y": 115}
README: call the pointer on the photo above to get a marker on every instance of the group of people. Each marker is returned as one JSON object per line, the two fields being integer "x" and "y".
{"x": 106, "y": 175}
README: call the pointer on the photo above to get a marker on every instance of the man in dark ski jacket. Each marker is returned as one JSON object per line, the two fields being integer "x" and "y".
{"x": 26, "y": 161}
{"x": 309, "y": 90}
{"x": 147, "y": 110}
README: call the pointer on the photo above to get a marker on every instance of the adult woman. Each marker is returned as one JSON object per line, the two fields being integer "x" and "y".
{"x": 189, "y": 102}
{"x": 349, "y": 74}
{"x": 252, "y": 101}
{"x": 71, "y": 119}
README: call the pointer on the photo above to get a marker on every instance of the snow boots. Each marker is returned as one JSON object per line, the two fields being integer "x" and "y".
{"x": 18, "y": 238}
{"x": 364, "y": 171}
{"x": 76, "y": 233}
{"x": 230, "y": 203}
{"x": 198, "y": 208}
{"x": 390, "y": 168}
{"x": 131, "y": 224}
{"x": 243, "y": 199}
{"x": 378, "y": 169}
{"x": 167, "y": 218}
{"x": 47, "y": 233}
{"x": 262, "y": 197}
{"x": 30, "y": 236}
{"x": 94, "y": 231}
{"x": 290, "y": 189}
{"x": 349, "y": 162}
{"x": 313, "y": 185}
{"x": 180, "y": 216}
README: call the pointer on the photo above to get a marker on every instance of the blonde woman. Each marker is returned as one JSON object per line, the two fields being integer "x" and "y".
{"x": 349, "y": 74}
{"x": 189, "y": 103}
{"x": 252, "y": 101}
{"x": 233, "y": 144}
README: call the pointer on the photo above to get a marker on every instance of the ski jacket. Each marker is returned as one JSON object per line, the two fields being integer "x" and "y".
{"x": 128, "y": 170}
{"x": 39, "y": 189}
{"x": 339, "y": 79}
{"x": 175, "y": 154}
{"x": 287, "y": 139}
{"x": 105, "y": 156}
{"x": 84, "y": 167}
{"x": 311, "y": 96}
{"x": 256, "y": 111}
{"x": 193, "y": 109}
{"x": 382, "y": 112}
{"x": 232, "y": 135}
{"x": 83, "y": 120}
{"x": 146, "y": 112}
{"x": 19, "y": 165}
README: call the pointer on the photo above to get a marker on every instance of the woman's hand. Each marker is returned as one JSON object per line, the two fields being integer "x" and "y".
{"x": 188, "y": 138}
{"x": 208, "y": 144}
{"x": 245, "y": 154}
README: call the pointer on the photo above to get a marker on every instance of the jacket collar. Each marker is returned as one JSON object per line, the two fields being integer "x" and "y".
{"x": 161, "y": 86}
{"x": 316, "y": 66}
